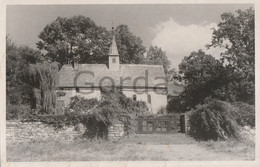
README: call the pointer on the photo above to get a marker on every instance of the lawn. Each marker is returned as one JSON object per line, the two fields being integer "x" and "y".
{"x": 153, "y": 147}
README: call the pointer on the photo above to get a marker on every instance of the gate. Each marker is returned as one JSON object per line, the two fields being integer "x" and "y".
{"x": 158, "y": 125}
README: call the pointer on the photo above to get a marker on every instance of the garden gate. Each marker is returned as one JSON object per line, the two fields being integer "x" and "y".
{"x": 173, "y": 124}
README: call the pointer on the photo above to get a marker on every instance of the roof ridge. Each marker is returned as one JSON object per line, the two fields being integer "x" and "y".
{"x": 142, "y": 65}
{"x": 91, "y": 64}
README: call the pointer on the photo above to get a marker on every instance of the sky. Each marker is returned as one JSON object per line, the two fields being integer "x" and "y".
{"x": 178, "y": 29}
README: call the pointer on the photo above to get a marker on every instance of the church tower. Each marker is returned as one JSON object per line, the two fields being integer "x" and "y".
{"x": 113, "y": 54}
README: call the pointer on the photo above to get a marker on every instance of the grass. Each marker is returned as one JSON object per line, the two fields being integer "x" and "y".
{"x": 241, "y": 148}
{"x": 152, "y": 147}
{"x": 80, "y": 150}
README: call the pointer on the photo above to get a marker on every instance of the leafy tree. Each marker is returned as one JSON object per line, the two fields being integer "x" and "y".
{"x": 177, "y": 104}
{"x": 44, "y": 76}
{"x": 230, "y": 79}
{"x": 157, "y": 56}
{"x": 12, "y": 64}
{"x": 18, "y": 84}
{"x": 236, "y": 34}
{"x": 77, "y": 37}
{"x": 130, "y": 47}
{"x": 173, "y": 75}
{"x": 203, "y": 75}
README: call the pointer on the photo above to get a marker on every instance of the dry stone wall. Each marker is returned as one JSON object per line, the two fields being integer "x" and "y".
{"x": 116, "y": 132}
{"x": 17, "y": 131}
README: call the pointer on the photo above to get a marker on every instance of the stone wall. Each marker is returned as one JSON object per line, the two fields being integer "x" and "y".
{"x": 116, "y": 132}
{"x": 17, "y": 131}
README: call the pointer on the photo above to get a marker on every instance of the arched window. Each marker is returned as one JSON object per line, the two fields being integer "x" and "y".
{"x": 149, "y": 98}
{"x": 134, "y": 97}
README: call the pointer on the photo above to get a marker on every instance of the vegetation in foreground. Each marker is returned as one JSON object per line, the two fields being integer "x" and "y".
{"x": 217, "y": 119}
{"x": 154, "y": 147}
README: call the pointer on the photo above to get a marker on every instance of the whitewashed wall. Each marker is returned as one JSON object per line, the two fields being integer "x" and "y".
{"x": 86, "y": 93}
{"x": 157, "y": 100}
{"x": 83, "y": 92}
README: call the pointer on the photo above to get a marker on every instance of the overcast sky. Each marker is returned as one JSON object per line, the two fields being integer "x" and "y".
{"x": 177, "y": 29}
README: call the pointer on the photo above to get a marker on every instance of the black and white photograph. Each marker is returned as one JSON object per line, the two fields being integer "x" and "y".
{"x": 130, "y": 82}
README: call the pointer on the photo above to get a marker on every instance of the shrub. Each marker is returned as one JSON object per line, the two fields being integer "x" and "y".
{"x": 128, "y": 104}
{"x": 96, "y": 115}
{"x": 214, "y": 120}
{"x": 246, "y": 114}
{"x": 17, "y": 111}
{"x": 12, "y": 111}
{"x": 80, "y": 104}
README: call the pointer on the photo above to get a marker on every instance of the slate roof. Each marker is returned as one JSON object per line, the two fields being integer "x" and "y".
{"x": 70, "y": 77}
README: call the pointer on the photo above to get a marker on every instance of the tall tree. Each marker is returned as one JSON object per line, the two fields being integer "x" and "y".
{"x": 236, "y": 33}
{"x": 44, "y": 76}
{"x": 203, "y": 75}
{"x": 130, "y": 47}
{"x": 78, "y": 37}
{"x": 157, "y": 56}
{"x": 18, "y": 85}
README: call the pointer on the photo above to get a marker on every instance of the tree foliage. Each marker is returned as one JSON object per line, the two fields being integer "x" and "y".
{"x": 44, "y": 77}
{"x": 203, "y": 75}
{"x": 173, "y": 75}
{"x": 156, "y": 56}
{"x": 130, "y": 47}
{"x": 236, "y": 34}
{"x": 79, "y": 38}
{"x": 18, "y": 83}
{"x": 217, "y": 119}
{"x": 232, "y": 78}
{"x": 214, "y": 120}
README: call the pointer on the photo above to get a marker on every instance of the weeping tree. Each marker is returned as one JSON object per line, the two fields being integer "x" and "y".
{"x": 44, "y": 77}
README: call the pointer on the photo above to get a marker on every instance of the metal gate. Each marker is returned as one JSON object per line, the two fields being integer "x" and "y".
{"x": 157, "y": 125}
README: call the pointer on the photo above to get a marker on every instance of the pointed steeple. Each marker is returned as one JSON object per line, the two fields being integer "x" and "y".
{"x": 113, "y": 48}
{"x": 113, "y": 60}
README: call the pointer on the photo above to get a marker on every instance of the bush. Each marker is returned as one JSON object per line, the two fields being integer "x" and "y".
{"x": 17, "y": 111}
{"x": 128, "y": 104}
{"x": 12, "y": 111}
{"x": 80, "y": 104}
{"x": 96, "y": 115}
{"x": 246, "y": 114}
{"x": 214, "y": 120}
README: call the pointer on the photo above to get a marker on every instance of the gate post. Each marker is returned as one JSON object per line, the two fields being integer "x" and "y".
{"x": 182, "y": 123}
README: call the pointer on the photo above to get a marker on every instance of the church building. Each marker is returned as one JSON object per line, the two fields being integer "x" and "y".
{"x": 140, "y": 82}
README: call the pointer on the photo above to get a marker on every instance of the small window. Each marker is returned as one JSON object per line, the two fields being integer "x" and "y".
{"x": 77, "y": 90}
{"x": 113, "y": 60}
{"x": 134, "y": 97}
{"x": 149, "y": 99}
